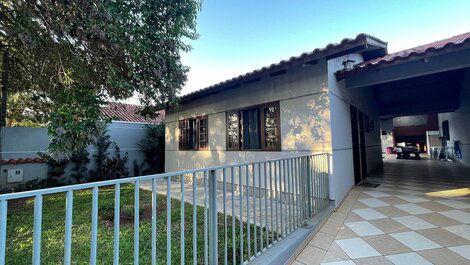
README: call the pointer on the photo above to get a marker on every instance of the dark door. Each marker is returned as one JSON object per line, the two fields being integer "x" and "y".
{"x": 362, "y": 139}
{"x": 355, "y": 145}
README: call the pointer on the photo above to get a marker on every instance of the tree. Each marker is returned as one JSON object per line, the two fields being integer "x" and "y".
{"x": 153, "y": 147}
{"x": 78, "y": 54}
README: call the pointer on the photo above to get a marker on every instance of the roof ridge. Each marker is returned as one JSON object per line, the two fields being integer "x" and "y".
{"x": 344, "y": 41}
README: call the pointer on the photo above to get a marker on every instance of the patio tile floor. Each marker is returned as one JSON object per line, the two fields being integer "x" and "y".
{"x": 399, "y": 222}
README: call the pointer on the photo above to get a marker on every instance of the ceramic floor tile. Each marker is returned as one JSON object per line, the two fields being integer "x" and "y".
{"x": 364, "y": 228}
{"x": 311, "y": 255}
{"x": 322, "y": 240}
{"x": 330, "y": 228}
{"x": 386, "y": 244}
{"x": 392, "y": 200}
{"x": 415, "y": 241}
{"x": 438, "y": 219}
{"x": 357, "y": 248}
{"x": 352, "y": 217}
{"x": 374, "y": 202}
{"x": 458, "y": 215}
{"x": 373, "y": 261}
{"x": 443, "y": 237}
{"x": 413, "y": 222}
{"x": 335, "y": 253}
{"x": 344, "y": 232}
{"x": 412, "y": 198}
{"x": 344, "y": 262}
{"x": 391, "y": 211}
{"x": 369, "y": 214}
{"x": 376, "y": 194}
{"x": 408, "y": 259}
{"x": 389, "y": 225}
{"x": 443, "y": 256}
{"x": 434, "y": 206}
{"x": 412, "y": 208}
{"x": 463, "y": 251}
{"x": 411, "y": 192}
{"x": 454, "y": 204}
{"x": 460, "y": 230}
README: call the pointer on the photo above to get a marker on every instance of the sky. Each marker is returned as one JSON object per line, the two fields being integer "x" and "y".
{"x": 238, "y": 36}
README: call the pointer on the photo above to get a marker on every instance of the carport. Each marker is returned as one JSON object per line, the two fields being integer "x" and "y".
{"x": 433, "y": 78}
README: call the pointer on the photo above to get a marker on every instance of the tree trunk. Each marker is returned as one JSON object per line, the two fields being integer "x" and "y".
{"x": 5, "y": 72}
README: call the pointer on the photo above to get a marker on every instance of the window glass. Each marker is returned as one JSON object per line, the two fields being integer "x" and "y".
{"x": 251, "y": 129}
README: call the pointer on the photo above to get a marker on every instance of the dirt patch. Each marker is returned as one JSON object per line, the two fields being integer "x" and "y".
{"x": 127, "y": 217}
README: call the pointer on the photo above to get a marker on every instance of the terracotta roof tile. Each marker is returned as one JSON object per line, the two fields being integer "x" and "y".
{"x": 23, "y": 161}
{"x": 329, "y": 49}
{"x": 419, "y": 50}
{"x": 128, "y": 112}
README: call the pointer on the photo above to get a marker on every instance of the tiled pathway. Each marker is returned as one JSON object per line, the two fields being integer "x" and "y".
{"x": 400, "y": 222}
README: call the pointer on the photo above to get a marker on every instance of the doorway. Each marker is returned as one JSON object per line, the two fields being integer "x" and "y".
{"x": 358, "y": 144}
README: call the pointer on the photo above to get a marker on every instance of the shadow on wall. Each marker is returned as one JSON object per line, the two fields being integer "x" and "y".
{"x": 308, "y": 124}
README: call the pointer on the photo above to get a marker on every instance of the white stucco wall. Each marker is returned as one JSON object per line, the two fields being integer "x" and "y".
{"x": 304, "y": 114}
{"x": 342, "y": 178}
{"x": 459, "y": 121}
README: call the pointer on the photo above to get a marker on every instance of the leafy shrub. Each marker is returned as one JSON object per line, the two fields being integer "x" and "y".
{"x": 153, "y": 147}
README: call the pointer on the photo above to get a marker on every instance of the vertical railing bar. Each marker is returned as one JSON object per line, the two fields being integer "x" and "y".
{"x": 317, "y": 183}
{"x": 241, "y": 212}
{"x": 248, "y": 230}
{"x": 234, "y": 253}
{"x": 117, "y": 219}
{"x": 37, "y": 230}
{"x": 154, "y": 221}
{"x": 254, "y": 211}
{"x": 206, "y": 238}
{"x": 224, "y": 176}
{"x": 283, "y": 196}
{"x": 182, "y": 222}
{"x": 213, "y": 233}
{"x": 260, "y": 209}
{"x": 276, "y": 178}
{"x": 68, "y": 227}
{"x": 289, "y": 174}
{"x": 168, "y": 220}
{"x": 266, "y": 202}
{"x": 194, "y": 219}
{"x": 282, "y": 187}
{"x": 136, "y": 221}
{"x": 271, "y": 199}
{"x": 94, "y": 225}
{"x": 294, "y": 201}
{"x": 303, "y": 178}
{"x": 3, "y": 230}
{"x": 297, "y": 178}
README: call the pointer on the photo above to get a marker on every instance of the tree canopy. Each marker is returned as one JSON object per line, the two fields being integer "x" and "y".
{"x": 73, "y": 56}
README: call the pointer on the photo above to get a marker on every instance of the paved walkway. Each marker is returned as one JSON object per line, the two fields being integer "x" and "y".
{"x": 404, "y": 221}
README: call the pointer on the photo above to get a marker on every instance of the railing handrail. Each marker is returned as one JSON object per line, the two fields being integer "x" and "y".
{"x": 89, "y": 185}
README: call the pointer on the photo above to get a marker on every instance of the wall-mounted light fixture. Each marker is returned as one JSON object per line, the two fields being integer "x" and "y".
{"x": 348, "y": 64}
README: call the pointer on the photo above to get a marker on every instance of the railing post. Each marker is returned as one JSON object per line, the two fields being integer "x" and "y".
{"x": 213, "y": 238}
{"x": 309, "y": 185}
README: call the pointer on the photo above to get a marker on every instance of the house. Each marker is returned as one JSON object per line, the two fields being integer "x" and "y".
{"x": 328, "y": 100}
{"x": 20, "y": 146}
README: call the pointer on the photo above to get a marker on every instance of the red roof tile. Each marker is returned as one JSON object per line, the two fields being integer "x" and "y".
{"x": 332, "y": 48}
{"x": 128, "y": 112}
{"x": 403, "y": 55}
{"x": 23, "y": 161}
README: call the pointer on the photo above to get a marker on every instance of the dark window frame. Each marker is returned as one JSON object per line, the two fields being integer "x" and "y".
{"x": 200, "y": 132}
{"x": 238, "y": 145}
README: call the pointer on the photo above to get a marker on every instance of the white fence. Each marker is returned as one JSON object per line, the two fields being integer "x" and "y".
{"x": 240, "y": 222}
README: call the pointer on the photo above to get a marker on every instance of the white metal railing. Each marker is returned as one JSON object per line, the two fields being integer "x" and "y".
{"x": 260, "y": 203}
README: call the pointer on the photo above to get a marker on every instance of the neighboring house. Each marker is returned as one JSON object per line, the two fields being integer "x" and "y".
{"x": 20, "y": 146}
{"x": 328, "y": 100}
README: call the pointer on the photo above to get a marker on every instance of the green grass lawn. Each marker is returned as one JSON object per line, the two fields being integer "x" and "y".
{"x": 20, "y": 230}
